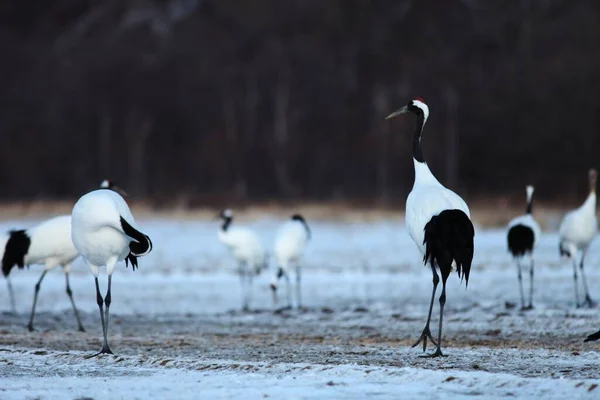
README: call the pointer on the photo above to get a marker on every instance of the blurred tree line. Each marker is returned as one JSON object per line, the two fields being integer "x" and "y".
{"x": 190, "y": 100}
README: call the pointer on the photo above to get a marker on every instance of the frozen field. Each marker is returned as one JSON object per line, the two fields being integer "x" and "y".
{"x": 177, "y": 330}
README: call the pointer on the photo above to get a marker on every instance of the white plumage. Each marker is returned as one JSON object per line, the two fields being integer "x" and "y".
{"x": 49, "y": 244}
{"x": 523, "y": 235}
{"x": 438, "y": 221}
{"x": 290, "y": 243}
{"x": 577, "y": 231}
{"x": 428, "y": 198}
{"x": 105, "y": 232}
{"x": 246, "y": 247}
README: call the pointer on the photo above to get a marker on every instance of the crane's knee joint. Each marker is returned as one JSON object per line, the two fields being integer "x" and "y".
{"x": 107, "y": 300}
{"x": 99, "y": 299}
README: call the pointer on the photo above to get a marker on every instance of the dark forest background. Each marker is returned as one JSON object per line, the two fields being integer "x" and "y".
{"x": 190, "y": 100}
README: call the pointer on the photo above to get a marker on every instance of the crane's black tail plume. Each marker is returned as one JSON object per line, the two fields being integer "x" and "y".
{"x": 592, "y": 337}
{"x": 141, "y": 245}
{"x": 15, "y": 250}
{"x": 449, "y": 237}
{"x": 520, "y": 240}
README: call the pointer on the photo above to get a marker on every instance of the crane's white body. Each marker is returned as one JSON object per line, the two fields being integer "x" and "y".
{"x": 290, "y": 243}
{"x": 530, "y": 222}
{"x": 579, "y": 227}
{"x": 51, "y": 244}
{"x": 427, "y": 199}
{"x": 245, "y": 246}
{"x": 97, "y": 232}
{"x": 289, "y": 246}
{"x": 577, "y": 231}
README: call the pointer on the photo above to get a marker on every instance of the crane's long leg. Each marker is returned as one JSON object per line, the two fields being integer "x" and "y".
{"x": 520, "y": 276}
{"x": 575, "y": 283}
{"x": 588, "y": 299}
{"x": 35, "y": 297}
{"x": 288, "y": 287}
{"x": 107, "y": 301}
{"x": 105, "y": 349}
{"x": 298, "y": 287}
{"x": 530, "y": 306}
{"x": 250, "y": 278}
{"x": 242, "y": 273}
{"x": 75, "y": 311}
{"x": 438, "y": 352}
{"x": 426, "y": 331}
{"x": 11, "y": 294}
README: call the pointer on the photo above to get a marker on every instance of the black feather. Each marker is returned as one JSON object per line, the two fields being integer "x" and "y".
{"x": 592, "y": 337}
{"x": 300, "y": 218}
{"x": 133, "y": 259}
{"x": 141, "y": 245}
{"x": 520, "y": 240}
{"x": 563, "y": 251}
{"x": 449, "y": 237}
{"x": 15, "y": 250}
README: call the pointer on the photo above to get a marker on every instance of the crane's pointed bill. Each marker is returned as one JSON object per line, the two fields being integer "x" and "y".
{"x": 403, "y": 110}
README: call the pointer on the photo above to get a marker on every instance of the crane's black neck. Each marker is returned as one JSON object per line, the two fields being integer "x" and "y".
{"x": 417, "y": 145}
{"x": 529, "y": 208}
{"x": 226, "y": 223}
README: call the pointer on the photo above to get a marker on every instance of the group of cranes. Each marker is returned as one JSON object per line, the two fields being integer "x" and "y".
{"x": 103, "y": 231}
{"x": 248, "y": 250}
{"x": 100, "y": 228}
{"x": 576, "y": 233}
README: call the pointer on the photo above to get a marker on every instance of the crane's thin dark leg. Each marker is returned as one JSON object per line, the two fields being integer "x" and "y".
{"x": 530, "y": 306}
{"x": 438, "y": 352}
{"x": 70, "y": 294}
{"x": 107, "y": 301}
{"x": 250, "y": 279}
{"x": 242, "y": 272}
{"x": 35, "y": 297}
{"x": 105, "y": 349}
{"x": 426, "y": 331}
{"x": 575, "y": 282}
{"x": 298, "y": 287}
{"x": 588, "y": 299}
{"x": 288, "y": 289}
{"x": 592, "y": 337}
{"x": 520, "y": 276}
{"x": 11, "y": 294}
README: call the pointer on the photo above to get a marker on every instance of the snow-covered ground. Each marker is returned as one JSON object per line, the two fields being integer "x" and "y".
{"x": 177, "y": 328}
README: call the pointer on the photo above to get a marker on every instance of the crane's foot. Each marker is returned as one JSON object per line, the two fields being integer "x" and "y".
{"x": 592, "y": 337}
{"x": 527, "y": 308}
{"x": 30, "y": 327}
{"x": 589, "y": 302}
{"x": 81, "y": 328}
{"x": 423, "y": 338}
{"x": 437, "y": 353}
{"x": 104, "y": 350}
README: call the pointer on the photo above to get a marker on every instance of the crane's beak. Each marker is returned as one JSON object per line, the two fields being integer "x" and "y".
{"x": 403, "y": 110}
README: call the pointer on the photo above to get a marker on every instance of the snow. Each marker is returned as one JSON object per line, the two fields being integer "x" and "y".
{"x": 216, "y": 379}
{"x": 360, "y": 280}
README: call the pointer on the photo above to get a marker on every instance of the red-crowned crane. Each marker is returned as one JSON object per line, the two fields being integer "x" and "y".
{"x": 104, "y": 232}
{"x": 290, "y": 243}
{"x": 577, "y": 231}
{"x": 246, "y": 247}
{"x": 438, "y": 221}
{"x": 523, "y": 236}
